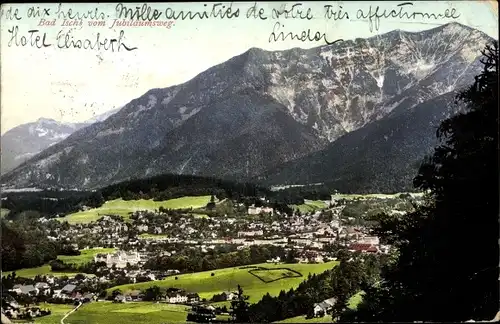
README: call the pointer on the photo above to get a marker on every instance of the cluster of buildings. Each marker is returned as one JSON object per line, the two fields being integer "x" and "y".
{"x": 120, "y": 259}
{"x": 171, "y": 296}
{"x": 51, "y": 290}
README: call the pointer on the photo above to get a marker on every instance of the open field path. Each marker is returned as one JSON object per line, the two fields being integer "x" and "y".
{"x": 70, "y": 312}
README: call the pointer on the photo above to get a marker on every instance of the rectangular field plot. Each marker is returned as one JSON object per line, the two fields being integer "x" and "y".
{"x": 270, "y": 275}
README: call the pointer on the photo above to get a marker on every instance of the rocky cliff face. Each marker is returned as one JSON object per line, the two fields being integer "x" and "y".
{"x": 259, "y": 110}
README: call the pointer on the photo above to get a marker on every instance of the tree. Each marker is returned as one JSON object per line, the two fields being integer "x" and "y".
{"x": 211, "y": 204}
{"x": 239, "y": 308}
{"x": 152, "y": 293}
{"x": 115, "y": 293}
{"x": 291, "y": 256}
{"x": 448, "y": 251}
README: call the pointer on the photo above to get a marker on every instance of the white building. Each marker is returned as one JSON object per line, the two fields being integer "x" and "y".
{"x": 251, "y": 233}
{"x": 252, "y": 210}
{"x": 120, "y": 259}
{"x": 176, "y": 299}
{"x": 370, "y": 240}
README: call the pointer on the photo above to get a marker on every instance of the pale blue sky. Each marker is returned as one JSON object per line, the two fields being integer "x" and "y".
{"x": 74, "y": 85}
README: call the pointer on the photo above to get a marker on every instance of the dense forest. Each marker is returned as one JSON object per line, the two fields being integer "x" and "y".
{"x": 50, "y": 203}
{"x": 171, "y": 186}
{"x": 25, "y": 245}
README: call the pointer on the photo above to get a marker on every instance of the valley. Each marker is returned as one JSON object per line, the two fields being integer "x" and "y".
{"x": 120, "y": 257}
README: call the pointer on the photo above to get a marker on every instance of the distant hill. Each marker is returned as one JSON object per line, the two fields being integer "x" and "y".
{"x": 22, "y": 142}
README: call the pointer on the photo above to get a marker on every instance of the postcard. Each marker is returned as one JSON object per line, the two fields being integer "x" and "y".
{"x": 249, "y": 161}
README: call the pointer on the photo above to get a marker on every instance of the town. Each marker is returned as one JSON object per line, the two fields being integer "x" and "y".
{"x": 149, "y": 246}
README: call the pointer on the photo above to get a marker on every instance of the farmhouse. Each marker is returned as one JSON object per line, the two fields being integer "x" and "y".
{"x": 362, "y": 247}
{"x": 25, "y": 290}
{"x": 193, "y": 297}
{"x": 324, "y": 307}
{"x": 120, "y": 299}
{"x": 229, "y": 295}
{"x": 274, "y": 260}
{"x": 176, "y": 298}
{"x": 43, "y": 288}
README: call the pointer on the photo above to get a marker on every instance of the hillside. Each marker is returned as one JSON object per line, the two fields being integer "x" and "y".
{"x": 382, "y": 157}
{"x": 261, "y": 109}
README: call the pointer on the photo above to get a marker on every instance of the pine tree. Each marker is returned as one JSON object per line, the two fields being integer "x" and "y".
{"x": 239, "y": 308}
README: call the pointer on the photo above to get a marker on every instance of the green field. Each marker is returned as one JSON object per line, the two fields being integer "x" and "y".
{"x": 148, "y": 236}
{"x": 133, "y": 312}
{"x": 269, "y": 275}
{"x": 86, "y": 256}
{"x": 310, "y": 206}
{"x": 125, "y": 207}
{"x": 303, "y": 319}
{"x": 57, "y": 313}
{"x": 41, "y": 270}
{"x": 355, "y": 300}
{"x": 228, "y": 279}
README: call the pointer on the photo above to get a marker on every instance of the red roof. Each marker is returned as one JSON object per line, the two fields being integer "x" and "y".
{"x": 360, "y": 246}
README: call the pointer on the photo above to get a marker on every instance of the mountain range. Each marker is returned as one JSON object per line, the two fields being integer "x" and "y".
{"x": 359, "y": 114}
{"x": 22, "y": 142}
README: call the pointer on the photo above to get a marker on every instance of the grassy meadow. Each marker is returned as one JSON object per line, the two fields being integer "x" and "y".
{"x": 84, "y": 257}
{"x": 310, "y": 206}
{"x": 125, "y": 207}
{"x": 303, "y": 319}
{"x": 355, "y": 300}
{"x": 57, "y": 313}
{"x": 41, "y": 270}
{"x": 132, "y": 312}
{"x": 228, "y": 279}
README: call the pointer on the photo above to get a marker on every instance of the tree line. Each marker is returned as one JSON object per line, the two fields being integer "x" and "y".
{"x": 192, "y": 260}
{"x": 25, "y": 245}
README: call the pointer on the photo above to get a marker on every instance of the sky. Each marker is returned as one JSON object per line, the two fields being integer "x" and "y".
{"x": 73, "y": 85}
